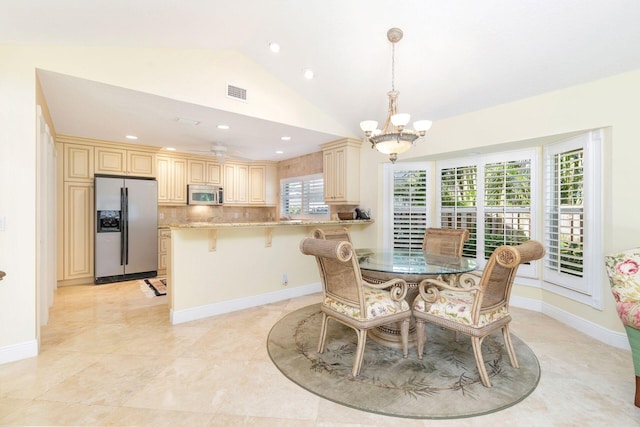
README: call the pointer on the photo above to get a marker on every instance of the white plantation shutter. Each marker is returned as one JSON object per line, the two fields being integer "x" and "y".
{"x": 303, "y": 196}
{"x": 573, "y": 218}
{"x": 409, "y": 208}
{"x": 491, "y": 196}
{"x": 507, "y": 204}
{"x": 565, "y": 213}
{"x": 458, "y": 202}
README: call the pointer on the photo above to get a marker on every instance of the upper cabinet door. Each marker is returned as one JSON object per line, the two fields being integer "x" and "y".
{"x": 172, "y": 180}
{"x": 141, "y": 163}
{"x": 110, "y": 161}
{"x": 341, "y": 172}
{"x": 78, "y": 162}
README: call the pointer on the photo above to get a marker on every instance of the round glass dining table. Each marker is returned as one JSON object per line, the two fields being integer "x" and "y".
{"x": 413, "y": 266}
{"x": 410, "y": 265}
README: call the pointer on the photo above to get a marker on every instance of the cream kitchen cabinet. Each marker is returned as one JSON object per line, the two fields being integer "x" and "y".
{"x": 78, "y": 231}
{"x": 341, "y": 172}
{"x": 203, "y": 172}
{"x": 124, "y": 162}
{"x": 164, "y": 240}
{"x": 172, "y": 180}
{"x": 263, "y": 184}
{"x": 78, "y": 162}
{"x": 236, "y": 183}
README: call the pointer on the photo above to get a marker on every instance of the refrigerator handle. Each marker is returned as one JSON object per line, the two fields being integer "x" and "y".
{"x": 122, "y": 242}
{"x": 125, "y": 214}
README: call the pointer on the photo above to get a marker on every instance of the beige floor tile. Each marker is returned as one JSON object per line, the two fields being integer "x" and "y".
{"x": 110, "y": 357}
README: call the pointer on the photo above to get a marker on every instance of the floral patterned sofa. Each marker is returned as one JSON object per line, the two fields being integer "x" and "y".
{"x": 624, "y": 275}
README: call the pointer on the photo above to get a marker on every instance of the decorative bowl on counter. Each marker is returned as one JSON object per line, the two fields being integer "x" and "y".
{"x": 344, "y": 216}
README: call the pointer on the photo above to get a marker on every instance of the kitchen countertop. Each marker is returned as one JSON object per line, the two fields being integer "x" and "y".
{"x": 289, "y": 223}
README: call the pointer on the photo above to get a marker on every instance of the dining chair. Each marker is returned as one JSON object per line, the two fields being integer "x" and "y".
{"x": 348, "y": 299}
{"x": 445, "y": 241}
{"x": 477, "y": 310}
{"x": 623, "y": 269}
{"x": 333, "y": 234}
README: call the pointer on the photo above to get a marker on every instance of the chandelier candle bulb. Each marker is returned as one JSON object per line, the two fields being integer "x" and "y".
{"x": 394, "y": 138}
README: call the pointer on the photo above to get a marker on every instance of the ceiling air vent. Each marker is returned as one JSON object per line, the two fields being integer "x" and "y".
{"x": 236, "y": 92}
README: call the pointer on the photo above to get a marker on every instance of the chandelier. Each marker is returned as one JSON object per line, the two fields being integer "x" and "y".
{"x": 394, "y": 138}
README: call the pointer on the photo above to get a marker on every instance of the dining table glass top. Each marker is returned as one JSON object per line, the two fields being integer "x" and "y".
{"x": 406, "y": 261}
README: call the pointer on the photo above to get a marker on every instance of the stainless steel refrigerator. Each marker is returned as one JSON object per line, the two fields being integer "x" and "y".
{"x": 126, "y": 240}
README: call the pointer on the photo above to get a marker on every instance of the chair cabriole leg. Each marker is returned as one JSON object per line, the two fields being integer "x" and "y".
{"x": 510, "y": 350}
{"x": 357, "y": 359}
{"x": 404, "y": 333}
{"x": 323, "y": 333}
{"x": 421, "y": 337}
{"x": 476, "y": 342}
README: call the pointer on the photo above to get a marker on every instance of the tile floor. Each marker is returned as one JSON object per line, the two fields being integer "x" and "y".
{"x": 110, "y": 357}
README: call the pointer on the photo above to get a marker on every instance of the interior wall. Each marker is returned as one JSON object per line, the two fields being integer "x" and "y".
{"x": 17, "y": 206}
{"x": 611, "y": 102}
{"x": 608, "y": 103}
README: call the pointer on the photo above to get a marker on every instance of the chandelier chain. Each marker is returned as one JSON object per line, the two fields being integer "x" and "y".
{"x": 393, "y": 66}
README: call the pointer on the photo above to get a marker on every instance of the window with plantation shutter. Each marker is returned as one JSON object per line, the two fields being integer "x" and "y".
{"x": 409, "y": 208}
{"x": 572, "y": 220}
{"x": 507, "y": 204}
{"x": 303, "y": 196}
{"x": 458, "y": 202}
{"x": 491, "y": 196}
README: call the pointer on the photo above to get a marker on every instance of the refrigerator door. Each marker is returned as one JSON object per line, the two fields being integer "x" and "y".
{"x": 108, "y": 244}
{"x": 141, "y": 226}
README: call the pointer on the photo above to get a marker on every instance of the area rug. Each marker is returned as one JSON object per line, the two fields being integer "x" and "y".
{"x": 444, "y": 384}
{"x": 157, "y": 286}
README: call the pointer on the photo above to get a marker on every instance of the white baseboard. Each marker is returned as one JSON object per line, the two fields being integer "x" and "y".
{"x": 200, "y": 312}
{"x": 600, "y": 333}
{"x": 14, "y": 352}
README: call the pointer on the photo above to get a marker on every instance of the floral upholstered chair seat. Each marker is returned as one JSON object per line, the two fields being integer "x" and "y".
{"x": 377, "y": 302}
{"x": 624, "y": 277}
{"x": 458, "y": 308}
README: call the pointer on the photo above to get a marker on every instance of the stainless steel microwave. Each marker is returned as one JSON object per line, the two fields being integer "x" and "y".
{"x": 204, "y": 195}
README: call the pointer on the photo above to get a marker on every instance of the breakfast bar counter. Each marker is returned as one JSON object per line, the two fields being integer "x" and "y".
{"x": 216, "y": 268}
{"x": 284, "y": 223}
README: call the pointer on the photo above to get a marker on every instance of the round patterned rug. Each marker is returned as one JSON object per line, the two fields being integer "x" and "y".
{"x": 444, "y": 384}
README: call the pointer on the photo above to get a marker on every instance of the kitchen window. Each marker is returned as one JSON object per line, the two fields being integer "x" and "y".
{"x": 303, "y": 197}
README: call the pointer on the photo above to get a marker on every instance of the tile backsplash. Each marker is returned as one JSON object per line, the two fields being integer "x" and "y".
{"x": 217, "y": 214}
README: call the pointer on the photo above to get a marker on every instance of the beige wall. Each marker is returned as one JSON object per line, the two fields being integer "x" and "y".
{"x": 610, "y": 103}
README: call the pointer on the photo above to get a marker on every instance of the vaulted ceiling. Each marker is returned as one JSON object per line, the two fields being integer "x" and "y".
{"x": 456, "y": 56}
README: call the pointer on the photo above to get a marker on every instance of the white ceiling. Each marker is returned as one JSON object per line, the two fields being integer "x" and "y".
{"x": 456, "y": 56}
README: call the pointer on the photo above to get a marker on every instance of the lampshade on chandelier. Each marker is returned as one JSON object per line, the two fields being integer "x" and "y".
{"x": 394, "y": 138}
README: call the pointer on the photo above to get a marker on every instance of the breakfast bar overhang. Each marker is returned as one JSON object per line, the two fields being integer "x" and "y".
{"x": 219, "y": 268}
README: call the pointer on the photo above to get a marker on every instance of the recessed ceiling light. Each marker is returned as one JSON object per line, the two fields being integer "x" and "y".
{"x": 131, "y": 137}
{"x": 170, "y": 149}
{"x": 308, "y": 73}
{"x": 223, "y": 127}
{"x": 286, "y": 138}
{"x": 279, "y": 152}
{"x": 274, "y": 47}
